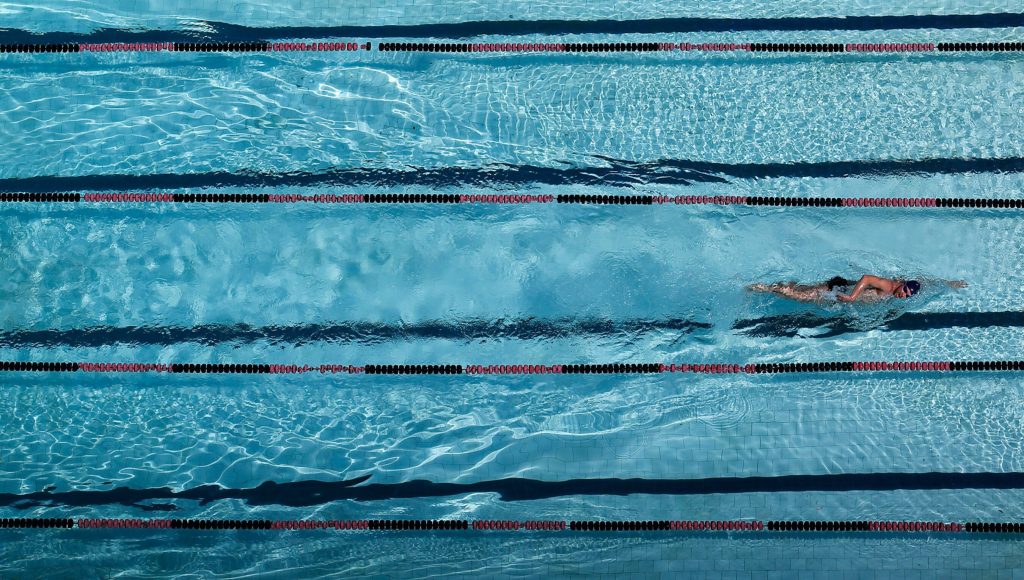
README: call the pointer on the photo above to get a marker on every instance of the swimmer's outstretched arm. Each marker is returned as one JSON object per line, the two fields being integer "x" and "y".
{"x": 865, "y": 282}
{"x": 956, "y": 283}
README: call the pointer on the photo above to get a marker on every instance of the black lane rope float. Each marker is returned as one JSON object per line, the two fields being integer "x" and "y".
{"x": 504, "y": 47}
{"x": 517, "y": 525}
{"x": 473, "y": 199}
{"x": 515, "y": 369}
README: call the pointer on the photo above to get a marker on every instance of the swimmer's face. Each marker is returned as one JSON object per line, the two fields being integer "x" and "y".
{"x": 901, "y": 291}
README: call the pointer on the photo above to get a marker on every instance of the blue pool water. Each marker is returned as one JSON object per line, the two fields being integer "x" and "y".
{"x": 540, "y": 284}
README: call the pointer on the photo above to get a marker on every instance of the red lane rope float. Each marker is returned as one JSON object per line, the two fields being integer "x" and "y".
{"x": 564, "y": 199}
{"x": 317, "y": 46}
{"x": 668, "y": 525}
{"x": 497, "y": 525}
{"x": 513, "y": 369}
{"x": 128, "y": 197}
{"x": 506, "y": 198}
{"x": 836, "y": 526}
{"x": 913, "y": 47}
{"x": 706, "y": 46}
{"x": 127, "y": 47}
{"x": 517, "y": 369}
{"x": 738, "y": 525}
{"x": 871, "y": 526}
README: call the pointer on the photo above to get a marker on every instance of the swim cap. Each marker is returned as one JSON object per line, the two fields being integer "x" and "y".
{"x": 912, "y": 286}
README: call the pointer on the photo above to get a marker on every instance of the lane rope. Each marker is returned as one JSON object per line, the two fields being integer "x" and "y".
{"x": 516, "y": 369}
{"x": 445, "y": 525}
{"x": 513, "y": 47}
{"x": 475, "y": 199}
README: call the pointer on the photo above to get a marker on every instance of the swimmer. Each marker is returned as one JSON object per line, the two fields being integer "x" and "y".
{"x": 867, "y": 289}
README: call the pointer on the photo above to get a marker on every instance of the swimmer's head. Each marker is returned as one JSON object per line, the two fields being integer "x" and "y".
{"x": 907, "y": 289}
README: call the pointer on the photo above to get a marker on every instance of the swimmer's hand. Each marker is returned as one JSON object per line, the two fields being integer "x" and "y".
{"x": 957, "y": 283}
{"x": 844, "y": 298}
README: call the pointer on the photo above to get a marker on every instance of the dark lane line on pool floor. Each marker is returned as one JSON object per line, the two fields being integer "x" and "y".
{"x": 469, "y": 330}
{"x": 616, "y": 173}
{"x": 357, "y": 332}
{"x": 205, "y": 30}
{"x": 312, "y": 492}
{"x": 792, "y": 325}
